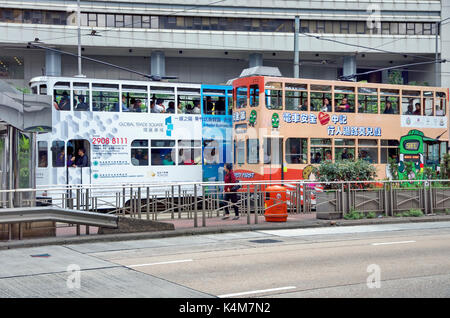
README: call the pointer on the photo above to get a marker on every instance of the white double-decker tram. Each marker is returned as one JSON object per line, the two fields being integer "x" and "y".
{"x": 107, "y": 132}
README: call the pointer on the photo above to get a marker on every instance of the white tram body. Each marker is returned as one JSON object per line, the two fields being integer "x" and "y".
{"x": 123, "y": 146}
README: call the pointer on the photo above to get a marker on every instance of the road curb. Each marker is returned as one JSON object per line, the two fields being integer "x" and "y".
{"x": 214, "y": 230}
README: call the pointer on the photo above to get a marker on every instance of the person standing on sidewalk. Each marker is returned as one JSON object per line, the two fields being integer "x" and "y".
{"x": 230, "y": 192}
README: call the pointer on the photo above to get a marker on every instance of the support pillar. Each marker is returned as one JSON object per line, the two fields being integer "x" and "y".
{"x": 349, "y": 67}
{"x": 158, "y": 64}
{"x": 52, "y": 63}
{"x": 255, "y": 59}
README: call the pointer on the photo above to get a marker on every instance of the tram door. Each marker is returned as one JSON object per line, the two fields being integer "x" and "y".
{"x": 78, "y": 169}
{"x": 273, "y": 158}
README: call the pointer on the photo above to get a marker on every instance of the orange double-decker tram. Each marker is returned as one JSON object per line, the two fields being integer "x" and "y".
{"x": 284, "y": 126}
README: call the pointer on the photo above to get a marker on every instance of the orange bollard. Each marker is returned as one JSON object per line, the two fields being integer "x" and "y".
{"x": 275, "y": 204}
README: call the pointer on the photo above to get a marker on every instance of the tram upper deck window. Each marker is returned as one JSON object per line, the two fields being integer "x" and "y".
{"x": 139, "y": 152}
{"x": 344, "y": 99}
{"x": 162, "y": 99}
{"x": 411, "y": 104}
{"x": 391, "y": 96}
{"x": 296, "y": 97}
{"x": 61, "y": 96}
{"x": 441, "y": 106}
{"x": 274, "y": 95}
{"x": 428, "y": 102}
{"x": 134, "y": 99}
{"x": 241, "y": 97}
{"x": 320, "y": 98}
{"x": 42, "y": 154}
{"x": 254, "y": 95}
{"x": 189, "y": 152}
{"x": 215, "y": 105}
{"x": 81, "y": 96}
{"x": 188, "y": 100}
{"x": 58, "y": 153}
{"x": 105, "y": 97}
{"x": 163, "y": 152}
{"x": 367, "y": 100}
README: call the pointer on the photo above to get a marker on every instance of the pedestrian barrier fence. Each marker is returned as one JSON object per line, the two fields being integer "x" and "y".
{"x": 201, "y": 201}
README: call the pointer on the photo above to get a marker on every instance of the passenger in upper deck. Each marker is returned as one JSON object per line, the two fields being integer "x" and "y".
{"x": 64, "y": 103}
{"x": 196, "y": 109}
{"x": 171, "y": 108}
{"x": 344, "y": 106}
{"x": 220, "y": 106}
{"x": 159, "y": 107}
{"x": 82, "y": 105}
{"x": 125, "y": 107}
{"x": 137, "y": 106}
{"x": 326, "y": 107}
{"x": 209, "y": 106}
{"x": 388, "y": 109}
{"x": 417, "y": 110}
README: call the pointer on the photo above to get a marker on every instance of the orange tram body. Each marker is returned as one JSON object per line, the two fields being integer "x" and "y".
{"x": 282, "y": 127}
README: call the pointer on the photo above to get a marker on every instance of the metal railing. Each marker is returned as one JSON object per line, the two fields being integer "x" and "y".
{"x": 201, "y": 201}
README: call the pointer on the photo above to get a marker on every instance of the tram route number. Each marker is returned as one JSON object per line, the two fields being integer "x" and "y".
{"x": 109, "y": 141}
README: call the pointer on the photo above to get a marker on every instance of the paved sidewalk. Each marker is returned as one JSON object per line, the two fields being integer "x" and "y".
{"x": 216, "y": 225}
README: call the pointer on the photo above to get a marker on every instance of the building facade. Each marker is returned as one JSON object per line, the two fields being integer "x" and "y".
{"x": 212, "y": 41}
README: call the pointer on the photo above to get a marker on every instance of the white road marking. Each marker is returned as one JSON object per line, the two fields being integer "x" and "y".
{"x": 256, "y": 291}
{"x": 161, "y": 263}
{"x": 390, "y": 243}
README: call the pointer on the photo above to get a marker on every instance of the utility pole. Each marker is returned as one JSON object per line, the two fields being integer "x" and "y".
{"x": 80, "y": 74}
{"x": 296, "y": 49}
{"x": 436, "y": 70}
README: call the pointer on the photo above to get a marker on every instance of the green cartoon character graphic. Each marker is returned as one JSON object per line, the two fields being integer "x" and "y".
{"x": 252, "y": 119}
{"x": 275, "y": 121}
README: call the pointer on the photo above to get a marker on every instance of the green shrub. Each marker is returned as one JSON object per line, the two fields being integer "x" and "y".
{"x": 415, "y": 212}
{"x": 371, "y": 215}
{"x": 353, "y": 215}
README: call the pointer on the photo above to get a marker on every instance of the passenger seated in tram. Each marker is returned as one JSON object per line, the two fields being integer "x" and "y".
{"x": 167, "y": 161}
{"x": 125, "y": 107}
{"x": 42, "y": 160}
{"x": 328, "y": 155}
{"x": 171, "y": 108}
{"x": 136, "y": 106}
{"x": 81, "y": 105}
{"x": 144, "y": 160}
{"x": 70, "y": 157}
{"x": 158, "y": 107}
{"x": 326, "y": 107}
{"x": 317, "y": 158}
{"x": 344, "y": 154}
{"x": 60, "y": 158}
{"x": 219, "y": 108}
{"x": 344, "y": 106}
{"x": 417, "y": 110}
{"x": 410, "y": 110}
{"x": 388, "y": 108}
{"x": 209, "y": 106}
{"x": 64, "y": 103}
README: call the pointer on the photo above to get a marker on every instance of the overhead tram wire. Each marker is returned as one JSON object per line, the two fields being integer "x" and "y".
{"x": 152, "y": 77}
{"x": 348, "y": 77}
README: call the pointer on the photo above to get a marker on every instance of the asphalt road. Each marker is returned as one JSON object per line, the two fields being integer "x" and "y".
{"x": 397, "y": 260}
